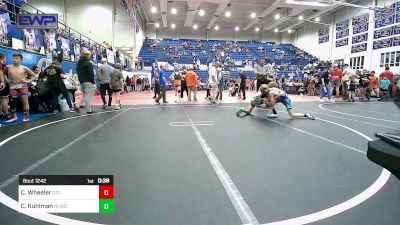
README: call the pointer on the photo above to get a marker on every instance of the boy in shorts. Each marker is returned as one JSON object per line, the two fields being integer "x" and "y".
{"x": 271, "y": 96}
{"x": 18, "y": 76}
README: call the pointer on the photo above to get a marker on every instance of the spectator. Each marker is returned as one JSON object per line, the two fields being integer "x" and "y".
{"x": 352, "y": 88}
{"x": 387, "y": 73}
{"x": 384, "y": 84}
{"x": 14, "y": 6}
{"x": 138, "y": 84}
{"x": 347, "y": 73}
{"x": 336, "y": 80}
{"x": 325, "y": 86}
{"x": 4, "y": 90}
{"x": 176, "y": 76}
{"x": 243, "y": 78}
{"x": 191, "y": 81}
{"x": 373, "y": 85}
{"x": 128, "y": 84}
{"x": 116, "y": 84}
{"x": 163, "y": 84}
{"x": 85, "y": 71}
{"x": 261, "y": 73}
{"x": 55, "y": 76}
{"x": 213, "y": 81}
{"x": 184, "y": 85}
{"x": 17, "y": 75}
{"x": 221, "y": 84}
{"x": 156, "y": 85}
{"x": 105, "y": 71}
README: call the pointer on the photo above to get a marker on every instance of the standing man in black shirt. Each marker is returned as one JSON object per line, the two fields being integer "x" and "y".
{"x": 325, "y": 85}
{"x": 85, "y": 71}
{"x": 55, "y": 76}
{"x": 243, "y": 79}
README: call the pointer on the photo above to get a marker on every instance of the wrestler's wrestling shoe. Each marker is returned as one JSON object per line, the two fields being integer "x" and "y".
{"x": 270, "y": 114}
{"x": 240, "y": 111}
{"x": 310, "y": 116}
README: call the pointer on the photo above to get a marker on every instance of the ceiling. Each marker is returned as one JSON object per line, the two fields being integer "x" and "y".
{"x": 188, "y": 13}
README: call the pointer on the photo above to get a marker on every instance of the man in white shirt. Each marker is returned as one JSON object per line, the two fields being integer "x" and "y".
{"x": 213, "y": 81}
{"x": 347, "y": 73}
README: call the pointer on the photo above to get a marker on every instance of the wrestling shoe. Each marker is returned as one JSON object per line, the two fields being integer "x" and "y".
{"x": 26, "y": 118}
{"x": 272, "y": 115}
{"x": 310, "y": 116}
{"x": 240, "y": 111}
{"x": 11, "y": 118}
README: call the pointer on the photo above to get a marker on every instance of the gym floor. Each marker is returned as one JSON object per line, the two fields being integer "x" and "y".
{"x": 200, "y": 164}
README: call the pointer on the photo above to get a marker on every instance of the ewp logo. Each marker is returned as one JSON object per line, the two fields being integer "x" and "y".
{"x": 37, "y": 21}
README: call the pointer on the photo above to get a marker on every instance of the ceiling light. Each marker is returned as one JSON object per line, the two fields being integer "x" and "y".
{"x": 153, "y": 9}
{"x": 277, "y": 16}
{"x": 290, "y": 31}
{"x": 195, "y": 26}
{"x": 173, "y": 26}
{"x": 157, "y": 25}
{"x": 201, "y": 12}
{"x": 227, "y": 13}
{"x": 216, "y": 28}
{"x": 301, "y": 18}
{"x": 253, "y": 15}
{"x": 257, "y": 29}
{"x": 317, "y": 19}
{"x": 173, "y": 11}
{"x": 237, "y": 28}
{"x": 276, "y": 30}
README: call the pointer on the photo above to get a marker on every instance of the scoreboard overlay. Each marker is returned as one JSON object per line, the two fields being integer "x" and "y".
{"x": 66, "y": 193}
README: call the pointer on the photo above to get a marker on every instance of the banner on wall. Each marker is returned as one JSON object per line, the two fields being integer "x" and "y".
{"x": 5, "y": 35}
{"x": 50, "y": 40}
{"x": 359, "y": 38}
{"x": 110, "y": 56}
{"x": 77, "y": 51}
{"x": 359, "y": 48}
{"x": 342, "y": 34}
{"x": 360, "y": 28}
{"x": 396, "y": 41}
{"x": 361, "y": 19}
{"x": 323, "y": 39}
{"x": 66, "y": 50}
{"x": 384, "y": 43}
{"x": 385, "y": 32}
{"x": 385, "y": 17}
{"x": 323, "y": 31}
{"x": 342, "y": 42}
{"x": 342, "y": 25}
{"x": 30, "y": 38}
{"x": 360, "y": 23}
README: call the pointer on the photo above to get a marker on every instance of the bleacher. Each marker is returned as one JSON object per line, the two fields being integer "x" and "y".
{"x": 249, "y": 50}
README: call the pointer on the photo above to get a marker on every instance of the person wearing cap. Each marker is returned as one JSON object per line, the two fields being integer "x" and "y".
{"x": 104, "y": 75}
{"x": 85, "y": 71}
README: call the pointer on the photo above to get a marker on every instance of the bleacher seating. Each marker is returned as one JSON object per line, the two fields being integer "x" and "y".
{"x": 184, "y": 51}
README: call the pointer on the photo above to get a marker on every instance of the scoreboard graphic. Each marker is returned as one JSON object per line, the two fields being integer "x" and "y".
{"x": 66, "y": 193}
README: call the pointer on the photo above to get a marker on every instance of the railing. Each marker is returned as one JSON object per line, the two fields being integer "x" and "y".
{"x": 63, "y": 30}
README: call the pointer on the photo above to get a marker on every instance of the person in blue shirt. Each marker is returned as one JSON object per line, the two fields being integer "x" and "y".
{"x": 325, "y": 85}
{"x": 163, "y": 85}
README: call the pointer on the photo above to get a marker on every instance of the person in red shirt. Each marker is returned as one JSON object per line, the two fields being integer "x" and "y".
{"x": 389, "y": 76}
{"x": 336, "y": 80}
